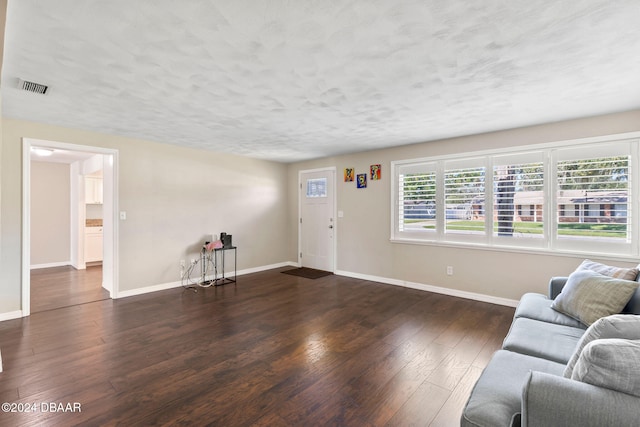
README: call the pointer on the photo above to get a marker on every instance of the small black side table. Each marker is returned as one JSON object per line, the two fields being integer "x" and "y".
{"x": 222, "y": 280}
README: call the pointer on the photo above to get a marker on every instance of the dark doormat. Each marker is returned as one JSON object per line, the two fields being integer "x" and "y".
{"x": 309, "y": 273}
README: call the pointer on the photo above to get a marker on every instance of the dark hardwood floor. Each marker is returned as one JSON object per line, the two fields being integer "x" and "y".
{"x": 58, "y": 287}
{"x": 271, "y": 350}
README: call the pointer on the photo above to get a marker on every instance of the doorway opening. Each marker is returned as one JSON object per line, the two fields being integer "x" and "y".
{"x": 64, "y": 286}
{"x": 69, "y": 256}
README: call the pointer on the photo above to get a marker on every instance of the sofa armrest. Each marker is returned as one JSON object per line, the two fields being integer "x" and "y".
{"x": 555, "y": 286}
{"x": 550, "y": 400}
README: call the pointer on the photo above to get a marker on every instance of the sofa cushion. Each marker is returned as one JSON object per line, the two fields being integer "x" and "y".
{"x": 542, "y": 339}
{"x": 496, "y": 396}
{"x": 609, "y": 270}
{"x": 550, "y": 400}
{"x": 538, "y": 307}
{"x": 588, "y": 296}
{"x": 610, "y": 363}
{"x": 624, "y": 326}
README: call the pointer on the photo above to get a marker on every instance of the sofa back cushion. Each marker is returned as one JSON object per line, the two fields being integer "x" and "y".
{"x": 625, "y": 326}
{"x": 633, "y": 306}
{"x": 610, "y": 363}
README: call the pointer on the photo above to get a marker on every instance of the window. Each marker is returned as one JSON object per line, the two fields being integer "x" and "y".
{"x": 417, "y": 198}
{"x": 317, "y": 187}
{"x": 464, "y": 196}
{"x": 519, "y": 202}
{"x": 596, "y": 183}
{"x": 575, "y": 197}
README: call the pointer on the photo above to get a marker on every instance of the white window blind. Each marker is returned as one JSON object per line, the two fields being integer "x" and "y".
{"x": 317, "y": 187}
{"x": 597, "y": 193}
{"x": 416, "y": 198}
{"x": 519, "y": 202}
{"x": 574, "y": 197}
{"x": 464, "y": 198}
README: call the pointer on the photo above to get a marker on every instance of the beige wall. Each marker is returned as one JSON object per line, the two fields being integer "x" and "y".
{"x": 50, "y": 213}
{"x": 363, "y": 233}
{"x": 174, "y": 197}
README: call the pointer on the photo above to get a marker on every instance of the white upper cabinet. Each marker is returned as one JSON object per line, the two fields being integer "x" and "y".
{"x": 93, "y": 190}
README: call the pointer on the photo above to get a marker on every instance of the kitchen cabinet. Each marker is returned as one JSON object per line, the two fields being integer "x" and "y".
{"x": 92, "y": 244}
{"x": 93, "y": 190}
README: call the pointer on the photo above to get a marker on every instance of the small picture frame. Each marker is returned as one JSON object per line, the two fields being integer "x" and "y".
{"x": 362, "y": 180}
{"x": 349, "y": 174}
{"x": 376, "y": 172}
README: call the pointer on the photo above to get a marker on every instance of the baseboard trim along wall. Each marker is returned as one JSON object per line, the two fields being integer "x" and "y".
{"x": 420, "y": 286}
{"x": 435, "y": 289}
{"x": 395, "y": 282}
{"x": 10, "y": 315}
{"x": 171, "y": 285}
{"x": 49, "y": 265}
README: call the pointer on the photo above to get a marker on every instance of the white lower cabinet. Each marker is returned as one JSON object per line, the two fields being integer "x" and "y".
{"x": 93, "y": 244}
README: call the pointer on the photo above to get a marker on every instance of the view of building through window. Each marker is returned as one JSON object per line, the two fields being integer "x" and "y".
{"x": 557, "y": 195}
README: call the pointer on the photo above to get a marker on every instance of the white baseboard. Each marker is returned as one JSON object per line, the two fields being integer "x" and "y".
{"x": 171, "y": 285}
{"x": 147, "y": 289}
{"x": 266, "y": 267}
{"x": 430, "y": 288}
{"x": 413, "y": 285}
{"x": 49, "y": 265}
{"x": 10, "y": 315}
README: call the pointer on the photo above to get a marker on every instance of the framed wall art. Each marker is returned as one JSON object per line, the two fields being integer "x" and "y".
{"x": 376, "y": 172}
{"x": 349, "y": 174}
{"x": 362, "y": 180}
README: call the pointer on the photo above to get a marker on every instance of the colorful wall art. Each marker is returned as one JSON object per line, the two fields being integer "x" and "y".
{"x": 362, "y": 180}
{"x": 349, "y": 174}
{"x": 376, "y": 172}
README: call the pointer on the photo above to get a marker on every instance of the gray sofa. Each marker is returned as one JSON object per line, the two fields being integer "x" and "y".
{"x": 525, "y": 382}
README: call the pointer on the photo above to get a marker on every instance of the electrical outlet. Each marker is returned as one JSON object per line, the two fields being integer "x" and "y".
{"x": 449, "y": 270}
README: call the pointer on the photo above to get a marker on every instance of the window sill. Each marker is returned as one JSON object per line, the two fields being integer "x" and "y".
{"x": 517, "y": 249}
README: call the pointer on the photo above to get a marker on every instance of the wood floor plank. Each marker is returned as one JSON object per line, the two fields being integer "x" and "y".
{"x": 449, "y": 414}
{"x": 272, "y": 349}
{"x": 421, "y": 407}
{"x": 55, "y": 287}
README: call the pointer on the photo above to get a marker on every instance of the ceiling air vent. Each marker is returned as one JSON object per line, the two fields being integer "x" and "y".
{"x": 32, "y": 87}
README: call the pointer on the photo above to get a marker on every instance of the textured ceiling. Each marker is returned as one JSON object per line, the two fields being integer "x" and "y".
{"x": 292, "y": 80}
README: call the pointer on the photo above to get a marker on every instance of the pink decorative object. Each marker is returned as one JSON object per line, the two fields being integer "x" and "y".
{"x": 213, "y": 245}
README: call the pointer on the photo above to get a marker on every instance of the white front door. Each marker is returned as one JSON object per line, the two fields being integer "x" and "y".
{"x": 317, "y": 224}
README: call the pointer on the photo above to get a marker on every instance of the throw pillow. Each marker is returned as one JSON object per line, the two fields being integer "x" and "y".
{"x": 610, "y": 363}
{"x": 587, "y": 296}
{"x": 626, "y": 326}
{"x": 608, "y": 270}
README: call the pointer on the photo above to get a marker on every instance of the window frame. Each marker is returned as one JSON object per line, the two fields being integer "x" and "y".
{"x": 549, "y": 154}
